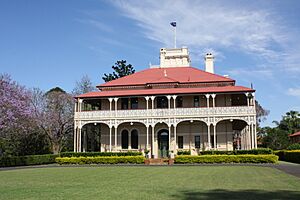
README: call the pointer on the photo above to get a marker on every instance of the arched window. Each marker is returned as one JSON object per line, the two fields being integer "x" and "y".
{"x": 134, "y": 139}
{"x": 124, "y": 136}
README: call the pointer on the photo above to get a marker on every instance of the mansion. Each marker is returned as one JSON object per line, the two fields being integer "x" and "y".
{"x": 167, "y": 108}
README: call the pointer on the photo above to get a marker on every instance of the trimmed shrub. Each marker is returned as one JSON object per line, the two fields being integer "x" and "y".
{"x": 97, "y": 154}
{"x": 101, "y": 160}
{"x": 10, "y": 161}
{"x": 217, "y": 152}
{"x": 259, "y": 151}
{"x": 289, "y": 156}
{"x": 295, "y": 146}
{"x": 183, "y": 152}
{"x": 227, "y": 159}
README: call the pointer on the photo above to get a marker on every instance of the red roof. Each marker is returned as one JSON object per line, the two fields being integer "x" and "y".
{"x": 295, "y": 134}
{"x": 119, "y": 93}
{"x": 167, "y": 75}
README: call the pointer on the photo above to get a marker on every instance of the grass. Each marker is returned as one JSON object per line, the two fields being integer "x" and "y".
{"x": 138, "y": 182}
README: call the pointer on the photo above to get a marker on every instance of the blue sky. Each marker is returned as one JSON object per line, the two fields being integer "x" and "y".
{"x": 47, "y": 43}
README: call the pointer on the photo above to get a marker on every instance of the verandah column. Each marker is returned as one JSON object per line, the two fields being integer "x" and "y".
{"x": 169, "y": 137}
{"x": 175, "y": 138}
{"x": 207, "y": 99}
{"x": 110, "y": 147}
{"x": 116, "y": 105}
{"x": 79, "y": 139}
{"x": 208, "y": 135}
{"x": 248, "y": 137}
{"x": 252, "y": 136}
{"x": 75, "y": 138}
{"x": 110, "y": 103}
{"x": 116, "y": 135}
{"x": 174, "y": 97}
{"x": 169, "y": 101}
{"x": 152, "y": 102}
{"x": 152, "y": 148}
{"x": 147, "y": 103}
{"x": 255, "y": 137}
{"x": 214, "y": 100}
{"x": 215, "y": 138}
{"x": 147, "y": 135}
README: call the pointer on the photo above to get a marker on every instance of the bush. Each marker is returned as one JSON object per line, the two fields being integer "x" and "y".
{"x": 100, "y": 160}
{"x": 10, "y": 161}
{"x": 259, "y": 151}
{"x": 295, "y": 146}
{"x": 183, "y": 152}
{"x": 289, "y": 156}
{"x": 227, "y": 159}
{"x": 97, "y": 154}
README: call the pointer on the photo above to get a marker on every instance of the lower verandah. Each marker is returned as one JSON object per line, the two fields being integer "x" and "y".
{"x": 190, "y": 135}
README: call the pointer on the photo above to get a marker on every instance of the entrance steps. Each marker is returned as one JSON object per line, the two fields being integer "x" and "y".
{"x": 159, "y": 161}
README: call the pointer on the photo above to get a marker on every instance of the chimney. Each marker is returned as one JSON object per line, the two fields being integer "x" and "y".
{"x": 209, "y": 63}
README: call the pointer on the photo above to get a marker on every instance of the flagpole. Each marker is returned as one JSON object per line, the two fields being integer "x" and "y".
{"x": 175, "y": 36}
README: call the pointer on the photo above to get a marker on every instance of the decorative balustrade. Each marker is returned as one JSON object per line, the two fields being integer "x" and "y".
{"x": 167, "y": 113}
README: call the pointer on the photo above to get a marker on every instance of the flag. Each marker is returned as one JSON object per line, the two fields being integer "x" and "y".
{"x": 173, "y": 24}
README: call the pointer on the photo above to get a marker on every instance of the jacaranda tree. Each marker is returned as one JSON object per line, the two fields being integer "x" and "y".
{"x": 17, "y": 121}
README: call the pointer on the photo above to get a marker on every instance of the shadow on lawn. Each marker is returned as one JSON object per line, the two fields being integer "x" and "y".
{"x": 242, "y": 194}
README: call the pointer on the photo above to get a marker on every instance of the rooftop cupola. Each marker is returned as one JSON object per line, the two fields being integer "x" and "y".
{"x": 178, "y": 57}
{"x": 209, "y": 63}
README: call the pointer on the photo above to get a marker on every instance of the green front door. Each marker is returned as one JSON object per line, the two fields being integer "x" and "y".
{"x": 163, "y": 144}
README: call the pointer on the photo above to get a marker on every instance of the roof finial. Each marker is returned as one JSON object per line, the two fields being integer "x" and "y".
{"x": 165, "y": 72}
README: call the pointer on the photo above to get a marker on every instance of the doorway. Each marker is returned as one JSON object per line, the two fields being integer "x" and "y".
{"x": 163, "y": 143}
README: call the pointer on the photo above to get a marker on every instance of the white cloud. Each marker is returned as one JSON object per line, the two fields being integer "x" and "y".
{"x": 217, "y": 25}
{"x": 294, "y": 92}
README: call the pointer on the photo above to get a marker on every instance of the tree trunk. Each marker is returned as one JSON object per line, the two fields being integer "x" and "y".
{"x": 55, "y": 148}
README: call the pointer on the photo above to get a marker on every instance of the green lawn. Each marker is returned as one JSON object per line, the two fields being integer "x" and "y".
{"x": 138, "y": 182}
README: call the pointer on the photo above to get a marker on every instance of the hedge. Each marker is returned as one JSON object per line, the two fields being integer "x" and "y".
{"x": 100, "y": 160}
{"x": 259, "y": 151}
{"x": 10, "y": 161}
{"x": 289, "y": 156}
{"x": 97, "y": 154}
{"x": 295, "y": 146}
{"x": 183, "y": 152}
{"x": 227, "y": 159}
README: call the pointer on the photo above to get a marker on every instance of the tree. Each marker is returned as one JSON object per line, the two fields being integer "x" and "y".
{"x": 120, "y": 70}
{"x": 275, "y": 138}
{"x": 290, "y": 122}
{"x": 261, "y": 113}
{"x": 83, "y": 86}
{"x": 16, "y": 117}
{"x": 54, "y": 111}
{"x": 14, "y": 106}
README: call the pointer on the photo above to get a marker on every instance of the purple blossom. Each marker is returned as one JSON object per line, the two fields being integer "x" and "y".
{"x": 14, "y": 105}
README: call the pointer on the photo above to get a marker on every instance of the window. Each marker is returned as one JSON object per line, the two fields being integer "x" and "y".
{"x": 179, "y": 102}
{"x": 162, "y": 102}
{"x": 134, "y": 139}
{"x": 196, "y": 101}
{"x": 197, "y": 141}
{"x": 134, "y": 103}
{"x": 124, "y": 103}
{"x": 124, "y": 138}
{"x": 180, "y": 142}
